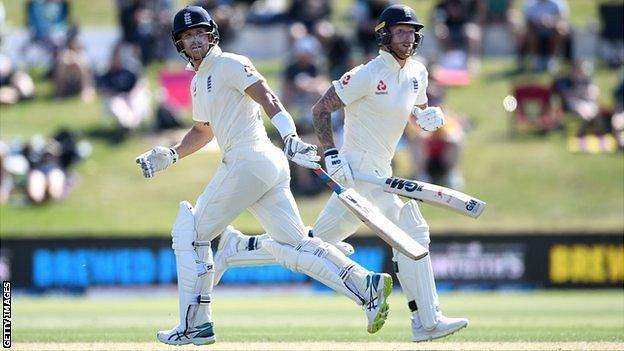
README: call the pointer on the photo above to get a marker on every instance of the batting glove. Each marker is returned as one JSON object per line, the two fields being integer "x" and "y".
{"x": 430, "y": 118}
{"x": 300, "y": 152}
{"x": 156, "y": 160}
{"x": 338, "y": 167}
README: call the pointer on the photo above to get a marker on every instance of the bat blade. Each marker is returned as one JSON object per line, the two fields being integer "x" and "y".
{"x": 381, "y": 225}
{"x": 428, "y": 193}
{"x": 375, "y": 220}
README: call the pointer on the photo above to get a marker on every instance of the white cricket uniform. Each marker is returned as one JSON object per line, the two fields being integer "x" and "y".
{"x": 254, "y": 174}
{"x": 378, "y": 98}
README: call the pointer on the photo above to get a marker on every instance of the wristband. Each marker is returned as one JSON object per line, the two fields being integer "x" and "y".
{"x": 174, "y": 155}
{"x": 284, "y": 124}
{"x": 331, "y": 151}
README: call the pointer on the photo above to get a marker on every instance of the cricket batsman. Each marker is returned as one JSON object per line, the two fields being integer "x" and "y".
{"x": 227, "y": 93}
{"x": 379, "y": 98}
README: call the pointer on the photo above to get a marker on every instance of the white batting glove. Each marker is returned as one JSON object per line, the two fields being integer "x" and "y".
{"x": 300, "y": 152}
{"x": 156, "y": 160}
{"x": 430, "y": 118}
{"x": 338, "y": 167}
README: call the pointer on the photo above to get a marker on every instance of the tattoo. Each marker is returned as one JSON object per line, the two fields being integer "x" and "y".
{"x": 321, "y": 113}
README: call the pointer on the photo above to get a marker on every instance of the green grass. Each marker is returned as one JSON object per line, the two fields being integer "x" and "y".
{"x": 530, "y": 183}
{"x": 506, "y": 317}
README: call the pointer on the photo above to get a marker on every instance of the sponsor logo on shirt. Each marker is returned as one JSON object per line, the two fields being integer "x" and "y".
{"x": 249, "y": 70}
{"x": 415, "y": 82}
{"x": 195, "y": 88}
{"x": 209, "y": 84}
{"x": 382, "y": 88}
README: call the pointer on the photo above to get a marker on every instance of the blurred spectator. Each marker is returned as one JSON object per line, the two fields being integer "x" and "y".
{"x": 436, "y": 155}
{"x": 366, "y": 13}
{"x": 496, "y": 11}
{"x": 49, "y": 26}
{"x": 611, "y": 40}
{"x": 46, "y": 179}
{"x": 6, "y": 180}
{"x": 146, "y": 24}
{"x": 501, "y": 13}
{"x": 228, "y": 21}
{"x": 579, "y": 96}
{"x": 303, "y": 81}
{"x": 72, "y": 71}
{"x": 456, "y": 25}
{"x": 337, "y": 47}
{"x": 303, "y": 85}
{"x": 127, "y": 97}
{"x": 15, "y": 85}
{"x": 14, "y": 168}
{"x": 48, "y": 22}
{"x": 617, "y": 121}
{"x": 547, "y": 32}
{"x": 40, "y": 170}
{"x": 309, "y": 12}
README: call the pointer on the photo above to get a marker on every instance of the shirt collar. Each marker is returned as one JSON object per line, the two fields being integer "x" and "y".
{"x": 390, "y": 61}
{"x": 208, "y": 59}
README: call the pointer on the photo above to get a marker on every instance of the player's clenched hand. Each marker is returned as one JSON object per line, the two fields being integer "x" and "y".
{"x": 430, "y": 118}
{"x": 300, "y": 152}
{"x": 156, "y": 160}
{"x": 338, "y": 167}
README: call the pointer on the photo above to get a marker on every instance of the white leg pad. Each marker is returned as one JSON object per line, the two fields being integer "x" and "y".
{"x": 251, "y": 253}
{"x": 195, "y": 270}
{"x": 323, "y": 262}
{"x": 416, "y": 277}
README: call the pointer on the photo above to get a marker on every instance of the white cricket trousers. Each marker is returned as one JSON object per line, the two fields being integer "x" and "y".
{"x": 335, "y": 222}
{"x": 251, "y": 176}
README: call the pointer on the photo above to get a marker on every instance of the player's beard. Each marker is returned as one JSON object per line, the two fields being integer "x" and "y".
{"x": 403, "y": 50}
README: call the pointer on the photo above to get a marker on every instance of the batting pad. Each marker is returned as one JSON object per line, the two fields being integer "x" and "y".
{"x": 195, "y": 269}
{"x": 416, "y": 277}
{"x": 323, "y": 262}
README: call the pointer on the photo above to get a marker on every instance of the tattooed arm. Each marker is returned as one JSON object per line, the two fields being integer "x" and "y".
{"x": 321, "y": 112}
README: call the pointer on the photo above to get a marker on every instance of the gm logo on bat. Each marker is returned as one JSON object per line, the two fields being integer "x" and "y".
{"x": 472, "y": 206}
{"x": 399, "y": 183}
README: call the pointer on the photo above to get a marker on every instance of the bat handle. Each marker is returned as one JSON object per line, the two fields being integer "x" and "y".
{"x": 327, "y": 179}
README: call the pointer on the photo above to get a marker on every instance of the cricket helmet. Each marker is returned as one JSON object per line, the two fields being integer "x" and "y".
{"x": 393, "y": 15}
{"x": 192, "y": 17}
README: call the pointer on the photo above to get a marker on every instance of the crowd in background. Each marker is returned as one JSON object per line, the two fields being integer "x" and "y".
{"x": 318, "y": 52}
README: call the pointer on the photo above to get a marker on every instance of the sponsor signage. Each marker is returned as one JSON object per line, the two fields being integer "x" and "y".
{"x": 487, "y": 261}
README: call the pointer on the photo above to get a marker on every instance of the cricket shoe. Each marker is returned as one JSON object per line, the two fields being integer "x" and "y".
{"x": 378, "y": 288}
{"x": 228, "y": 246}
{"x": 200, "y": 335}
{"x": 446, "y": 326}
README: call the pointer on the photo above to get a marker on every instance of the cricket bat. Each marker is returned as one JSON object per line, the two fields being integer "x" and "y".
{"x": 428, "y": 193}
{"x": 374, "y": 219}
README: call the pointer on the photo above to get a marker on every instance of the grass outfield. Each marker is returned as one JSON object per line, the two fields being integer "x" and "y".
{"x": 509, "y": 320}
{"x": 531, "y": 184}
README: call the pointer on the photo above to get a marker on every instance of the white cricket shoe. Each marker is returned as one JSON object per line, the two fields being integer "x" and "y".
{"x": 228, "y": 246}
{"x": 200, "y": 335}
{"x": 446, "y": 326}
{"x": 379, "y": 287}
